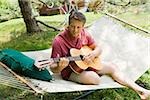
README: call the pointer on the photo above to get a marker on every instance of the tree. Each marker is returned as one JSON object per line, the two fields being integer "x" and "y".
{"x": 29, "y": 19}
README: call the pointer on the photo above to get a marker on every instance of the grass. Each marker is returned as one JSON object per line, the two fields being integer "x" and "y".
{"x": 142, "y": 19}
{"x": 12, "y": 35}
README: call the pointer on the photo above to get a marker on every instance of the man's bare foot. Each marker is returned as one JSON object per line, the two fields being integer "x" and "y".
{"x": 145, "y": 95}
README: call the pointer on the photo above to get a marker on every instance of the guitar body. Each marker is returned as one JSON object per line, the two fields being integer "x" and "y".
{"x": 79, "y": 66}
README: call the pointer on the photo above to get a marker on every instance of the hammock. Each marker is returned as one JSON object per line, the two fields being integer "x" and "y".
{"x": 127, "y": 49}
{"x": 6, "y": 78}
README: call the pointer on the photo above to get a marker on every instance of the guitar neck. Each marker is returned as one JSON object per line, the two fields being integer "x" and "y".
{"x": 76, "y": 58}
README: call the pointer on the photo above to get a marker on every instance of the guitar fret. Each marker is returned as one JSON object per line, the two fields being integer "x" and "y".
{"x": 70, "y": 58}
{"x": 77, "y": 58}
{"x": 74, "y": 58}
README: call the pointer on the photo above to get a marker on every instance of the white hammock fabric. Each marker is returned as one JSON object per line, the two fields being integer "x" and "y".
{"x": 60, "y": 85}
{"x": 127, "y": 49}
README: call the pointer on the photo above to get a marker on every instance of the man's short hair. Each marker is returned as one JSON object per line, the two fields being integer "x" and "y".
{"x": 77, "y": 16}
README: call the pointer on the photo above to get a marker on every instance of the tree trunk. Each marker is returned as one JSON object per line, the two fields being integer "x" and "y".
{"x": 29, "y": 19}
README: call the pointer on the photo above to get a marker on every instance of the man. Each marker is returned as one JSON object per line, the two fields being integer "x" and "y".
{"x": 75, "y": 36}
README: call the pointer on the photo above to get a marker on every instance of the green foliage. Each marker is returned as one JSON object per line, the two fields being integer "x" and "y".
{"x": 9, "y": 9}
{"x": 133, "y": 2}
{"x": 55, "y": 2}
{"x": 138, "y": 2}
{"x": 135, "y": 6}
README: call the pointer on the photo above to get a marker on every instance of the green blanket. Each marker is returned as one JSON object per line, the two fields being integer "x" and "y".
{"x": 23, "y": 65}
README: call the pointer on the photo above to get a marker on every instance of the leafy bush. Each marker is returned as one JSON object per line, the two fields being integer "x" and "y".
{"x": 55, "y": 2}
{"x": 138, "y": 2}
{"x": 9, "y": 10}
{"x": 119, "y": 6}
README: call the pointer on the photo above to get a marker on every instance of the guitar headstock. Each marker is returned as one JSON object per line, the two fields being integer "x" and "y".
{"x": 43, "y": 63}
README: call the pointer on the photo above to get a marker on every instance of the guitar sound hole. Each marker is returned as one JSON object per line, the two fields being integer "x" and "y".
{"x": 81, "y": 56}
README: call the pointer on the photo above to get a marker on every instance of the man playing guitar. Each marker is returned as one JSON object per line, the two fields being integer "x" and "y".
{"x": 75, "y": 36}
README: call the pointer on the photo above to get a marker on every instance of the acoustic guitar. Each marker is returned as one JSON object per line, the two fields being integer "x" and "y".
{"x": 76, "y": 60}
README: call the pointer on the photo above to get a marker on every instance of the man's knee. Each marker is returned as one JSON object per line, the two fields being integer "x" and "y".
{"x": 92, "y": 77}
{"x": 113, "y": 68}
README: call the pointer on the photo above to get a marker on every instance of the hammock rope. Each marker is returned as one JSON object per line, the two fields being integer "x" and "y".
{"x": 6, "y": 78}
{"x": 130, "y": 24}
{"x": 10, "y": 78}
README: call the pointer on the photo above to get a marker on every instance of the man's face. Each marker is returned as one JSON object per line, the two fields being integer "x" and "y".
{"x": 75, "y": 27}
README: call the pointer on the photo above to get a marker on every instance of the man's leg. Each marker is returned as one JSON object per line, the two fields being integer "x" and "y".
{"x": 113, "y": 70}
{"x": 86, "y": 77}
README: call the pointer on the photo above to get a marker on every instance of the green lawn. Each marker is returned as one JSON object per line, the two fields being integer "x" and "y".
{"x": 142, "y": 19}
{"x": 12, "y": 35}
